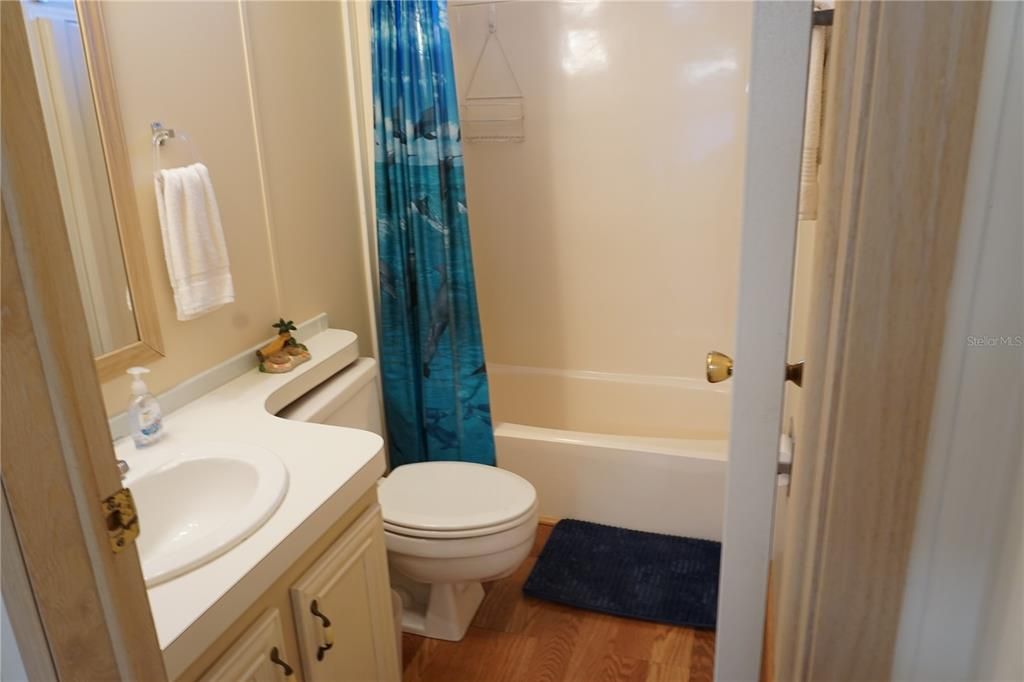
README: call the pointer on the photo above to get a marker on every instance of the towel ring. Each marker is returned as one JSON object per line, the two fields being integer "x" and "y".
{"x": 160, "y": 137}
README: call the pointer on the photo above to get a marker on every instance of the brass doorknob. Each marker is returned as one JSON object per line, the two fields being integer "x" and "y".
{"x": 719, "y": 367}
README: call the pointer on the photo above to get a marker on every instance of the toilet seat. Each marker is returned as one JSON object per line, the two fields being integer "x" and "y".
{"x": 448, "y": 500}
{"x": 417, "y": 548}
{"x": 530, "y": 515}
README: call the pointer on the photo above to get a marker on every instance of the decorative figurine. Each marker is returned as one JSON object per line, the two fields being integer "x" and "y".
{"x": 284, "y": 353}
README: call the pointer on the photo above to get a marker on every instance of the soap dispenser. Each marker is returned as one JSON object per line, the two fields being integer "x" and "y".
{"x": 143, "y": 411}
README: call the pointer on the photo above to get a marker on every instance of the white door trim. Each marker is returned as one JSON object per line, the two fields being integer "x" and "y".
{"x": 778, "y": 83}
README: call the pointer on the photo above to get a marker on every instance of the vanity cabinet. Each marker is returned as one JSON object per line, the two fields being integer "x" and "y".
{"x": 342, "y": 609}
{"x": 328, "y": 617}
{"x": 256, "y": 656}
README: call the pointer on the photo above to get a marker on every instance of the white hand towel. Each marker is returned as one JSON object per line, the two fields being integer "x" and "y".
{"x": 194, "y": 247}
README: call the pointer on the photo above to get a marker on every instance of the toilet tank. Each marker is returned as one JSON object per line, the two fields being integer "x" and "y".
{"x": 349, "y": 398}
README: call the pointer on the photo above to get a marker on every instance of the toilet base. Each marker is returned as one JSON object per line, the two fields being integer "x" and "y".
{"x": 438, "y": 611}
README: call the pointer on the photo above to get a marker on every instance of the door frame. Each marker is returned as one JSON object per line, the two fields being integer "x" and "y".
{"x": 957, "y": 618}
{"x": 58, "y": 461}
{"x": 902, "y": 93}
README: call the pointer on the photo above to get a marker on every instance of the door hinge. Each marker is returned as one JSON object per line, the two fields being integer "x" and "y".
{"x": 121, "y": 518}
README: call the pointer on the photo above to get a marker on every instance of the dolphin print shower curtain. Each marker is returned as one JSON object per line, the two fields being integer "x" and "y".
{"x": 431, "y": 355}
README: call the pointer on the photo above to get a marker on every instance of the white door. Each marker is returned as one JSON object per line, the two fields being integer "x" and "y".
{"x": 778, "y": 81}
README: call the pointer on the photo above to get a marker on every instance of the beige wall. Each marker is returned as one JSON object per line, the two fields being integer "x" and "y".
{"x": 609, "y": 239}
{"x": 261, "y": 89}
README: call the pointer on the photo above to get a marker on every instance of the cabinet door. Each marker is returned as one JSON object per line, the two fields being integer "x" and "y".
{"x": 342, "y": 609}
{"x": 257, "y": 656}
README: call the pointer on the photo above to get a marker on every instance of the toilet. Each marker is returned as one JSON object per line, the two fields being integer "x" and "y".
{"x": 449, "y": 526}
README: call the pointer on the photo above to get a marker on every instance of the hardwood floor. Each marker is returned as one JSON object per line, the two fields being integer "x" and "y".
{"x": 519, "y": 639}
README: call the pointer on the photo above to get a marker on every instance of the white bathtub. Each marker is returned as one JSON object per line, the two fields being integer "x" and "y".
{"x": 639, "y": 452}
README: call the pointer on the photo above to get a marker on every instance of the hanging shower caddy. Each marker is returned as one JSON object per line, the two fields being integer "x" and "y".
{"x": 492, "y": 110}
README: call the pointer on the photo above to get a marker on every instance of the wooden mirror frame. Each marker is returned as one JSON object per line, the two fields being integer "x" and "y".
{"x": 150, "y": 345}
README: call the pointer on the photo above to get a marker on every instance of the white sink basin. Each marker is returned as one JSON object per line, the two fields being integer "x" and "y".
{"x": 202, "y": 503}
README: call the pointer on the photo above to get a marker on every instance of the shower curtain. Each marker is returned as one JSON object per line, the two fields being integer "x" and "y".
{"x": 431, "y": 355}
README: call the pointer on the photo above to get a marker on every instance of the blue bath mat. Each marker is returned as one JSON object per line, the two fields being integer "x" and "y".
{"x": 629, "y": 573}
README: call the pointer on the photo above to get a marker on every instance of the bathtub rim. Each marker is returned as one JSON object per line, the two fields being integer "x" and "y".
{"x": 672, "y": 381}
{"x": 699, "y": 448}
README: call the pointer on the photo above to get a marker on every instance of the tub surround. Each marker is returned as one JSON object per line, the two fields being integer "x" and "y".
{"x": 593, "y": 226}
{"x": 330, "y": 469}
{"x": 610, "y": 402}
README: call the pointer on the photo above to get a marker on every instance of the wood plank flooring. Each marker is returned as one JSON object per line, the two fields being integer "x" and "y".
{"x": 522, "y": 639}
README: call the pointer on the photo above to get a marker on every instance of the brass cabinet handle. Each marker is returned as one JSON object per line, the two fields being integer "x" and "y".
{"x": 325, "y": 622}
{"x": 275, "y": 657}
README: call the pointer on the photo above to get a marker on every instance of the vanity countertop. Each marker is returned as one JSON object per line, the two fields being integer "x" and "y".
{"x": 329, "y": 469}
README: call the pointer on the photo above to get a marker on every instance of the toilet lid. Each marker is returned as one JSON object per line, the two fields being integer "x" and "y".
{"x": 453, "y": 496}
{"x": 530, "y": 518}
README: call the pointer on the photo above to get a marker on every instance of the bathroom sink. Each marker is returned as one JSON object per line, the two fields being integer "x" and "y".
{"x": 202, "y": 503}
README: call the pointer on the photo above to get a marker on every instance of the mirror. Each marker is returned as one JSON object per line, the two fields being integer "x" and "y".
{"x": 90, "y": 161}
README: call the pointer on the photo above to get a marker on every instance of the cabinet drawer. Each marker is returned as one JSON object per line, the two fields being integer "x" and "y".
{"x": 257, "y": 656}
{"x": 342, "y": 609}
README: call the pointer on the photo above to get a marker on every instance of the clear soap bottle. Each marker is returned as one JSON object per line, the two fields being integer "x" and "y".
{"x": 144, "y": 411}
